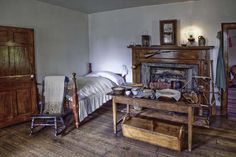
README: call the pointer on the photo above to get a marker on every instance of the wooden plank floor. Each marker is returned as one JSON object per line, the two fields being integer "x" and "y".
{"x": 95, "y": 138}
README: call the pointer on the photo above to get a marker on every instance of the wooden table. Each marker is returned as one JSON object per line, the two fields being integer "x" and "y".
{"x": 181, "y": 107}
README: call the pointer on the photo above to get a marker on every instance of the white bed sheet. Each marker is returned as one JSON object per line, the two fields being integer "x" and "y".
{"x": 91, "y": 103}
{"x": 92, "y": 94}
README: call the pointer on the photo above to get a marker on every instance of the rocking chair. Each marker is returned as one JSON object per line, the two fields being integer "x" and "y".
{"x": 52, "y": 110}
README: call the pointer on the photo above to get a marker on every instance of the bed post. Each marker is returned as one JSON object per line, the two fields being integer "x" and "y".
{"x": 75, "y": 103}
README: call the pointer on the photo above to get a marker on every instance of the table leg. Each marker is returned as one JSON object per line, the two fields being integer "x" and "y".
{"x": 114, "y": 110}
{"x": 128, "y": 110}
{"x": 190, "y": 127}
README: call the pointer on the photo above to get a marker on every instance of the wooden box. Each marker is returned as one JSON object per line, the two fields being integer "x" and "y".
{"x": 154, "y": 132}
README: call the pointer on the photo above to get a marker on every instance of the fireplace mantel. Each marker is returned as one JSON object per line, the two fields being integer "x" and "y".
{"x": 159, "y": 47}
{"x": 197, "y": 55}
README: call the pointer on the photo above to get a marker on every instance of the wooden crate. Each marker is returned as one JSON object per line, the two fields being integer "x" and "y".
{"x": 154, "y": 132}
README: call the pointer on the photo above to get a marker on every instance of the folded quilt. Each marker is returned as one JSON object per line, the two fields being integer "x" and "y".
{"x": 54, "y": 94}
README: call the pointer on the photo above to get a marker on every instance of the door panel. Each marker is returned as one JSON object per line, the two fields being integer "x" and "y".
{"x": 23, "y": 37}
{"x": 24, "y": 101}
{"x": 21, "y": 60}
{"x": 11, "y": 69}
{"x": 4, "y": 35}
{"x": 7, "y": 101}
{"x": 4, "y": 61}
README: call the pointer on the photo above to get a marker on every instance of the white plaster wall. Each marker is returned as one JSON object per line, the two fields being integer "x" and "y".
{"x": 110, "y": 32}
{"x": 61, "y": 35}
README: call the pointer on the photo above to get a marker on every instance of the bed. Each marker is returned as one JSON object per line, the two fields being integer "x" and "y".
{"x": 88, "y": 93}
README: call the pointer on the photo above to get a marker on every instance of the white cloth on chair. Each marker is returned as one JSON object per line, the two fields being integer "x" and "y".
{"x": 54, "y": 94}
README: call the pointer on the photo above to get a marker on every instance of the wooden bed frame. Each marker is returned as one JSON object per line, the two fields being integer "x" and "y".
{"x": 75, "y": 101}
{"x": 75, "y": 98}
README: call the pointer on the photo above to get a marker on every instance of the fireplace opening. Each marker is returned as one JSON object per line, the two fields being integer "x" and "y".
{"x": 173, "y": 76}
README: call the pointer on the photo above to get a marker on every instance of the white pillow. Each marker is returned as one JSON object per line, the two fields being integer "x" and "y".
{"x": 112, "y": 76}
{"x": 117, "y": 79}
{"x": 92, "y": 74}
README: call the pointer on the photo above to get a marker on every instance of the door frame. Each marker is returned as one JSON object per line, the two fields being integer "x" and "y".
{"x": 225, "y": 27}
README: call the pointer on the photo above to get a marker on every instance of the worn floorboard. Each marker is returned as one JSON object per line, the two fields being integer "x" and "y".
{"x": 95, "y": 138}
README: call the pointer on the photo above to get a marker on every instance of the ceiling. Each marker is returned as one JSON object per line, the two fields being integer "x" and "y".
{"x": 93, "y": 6}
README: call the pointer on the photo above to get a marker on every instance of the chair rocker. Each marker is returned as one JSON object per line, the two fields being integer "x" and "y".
{"x": 52, "y": 110}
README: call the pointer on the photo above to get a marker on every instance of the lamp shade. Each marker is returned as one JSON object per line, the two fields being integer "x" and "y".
{"x": 124, "y": 70}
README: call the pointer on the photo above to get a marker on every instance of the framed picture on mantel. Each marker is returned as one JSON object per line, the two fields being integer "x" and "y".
{"x": 168, "y": 32}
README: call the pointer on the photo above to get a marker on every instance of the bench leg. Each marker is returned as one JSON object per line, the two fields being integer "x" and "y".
{"x": 64, "y": 125}
{"x": 190, "y": 128}
{"x": 114, "y": 110}
{"x": 32, "y": 126}
{"x": 63, "y": 122}
{"x": 55, "y": 125}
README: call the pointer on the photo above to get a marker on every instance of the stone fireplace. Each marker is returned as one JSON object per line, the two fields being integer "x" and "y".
{"x": 171, "y": 66}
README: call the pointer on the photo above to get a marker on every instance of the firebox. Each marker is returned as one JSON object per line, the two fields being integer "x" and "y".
{"x": 164, "y": 75}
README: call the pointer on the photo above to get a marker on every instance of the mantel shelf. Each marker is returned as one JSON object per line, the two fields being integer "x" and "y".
{"x": 161, "y": 47}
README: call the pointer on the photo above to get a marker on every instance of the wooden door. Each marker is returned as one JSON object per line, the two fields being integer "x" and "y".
{"x": 17, "y": 75}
